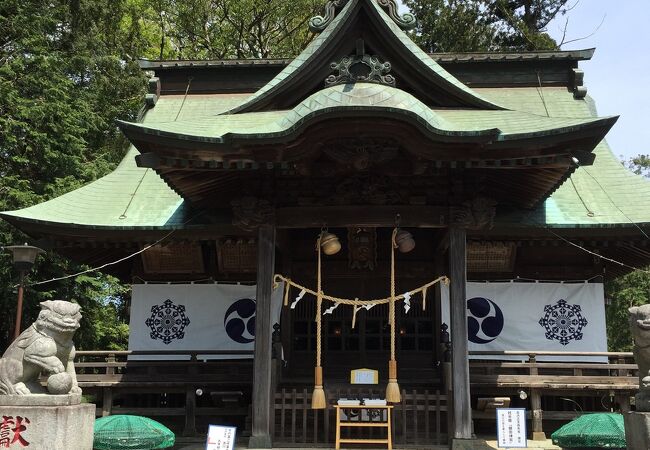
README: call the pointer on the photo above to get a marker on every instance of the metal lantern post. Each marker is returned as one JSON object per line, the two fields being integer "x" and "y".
{"x": 24, "y": 257}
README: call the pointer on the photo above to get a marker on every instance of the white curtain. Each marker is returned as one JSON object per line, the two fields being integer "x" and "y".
{"x": 195, "y": 317}
{"x": 564, "y": 317}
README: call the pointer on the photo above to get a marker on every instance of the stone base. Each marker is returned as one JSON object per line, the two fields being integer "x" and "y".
{"x": 469, "y": 444}
{"x": 263, "y": 441}
{"x": 637, "y": 430}
{"x": 40, "y": 400}
{"x": 539, "y": 436}
{"x": 48, "y": 427}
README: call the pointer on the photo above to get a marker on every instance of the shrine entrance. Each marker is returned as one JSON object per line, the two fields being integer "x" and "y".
{"x": 361, "y": 270}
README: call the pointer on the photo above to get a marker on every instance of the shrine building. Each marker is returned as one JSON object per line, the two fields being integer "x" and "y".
{"x": 447, "y": 220}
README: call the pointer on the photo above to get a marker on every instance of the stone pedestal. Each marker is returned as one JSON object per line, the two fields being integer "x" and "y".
{"x": 48, "y": 422}
{"x": 637, "y": 430}
{"x": 468, "y": 444}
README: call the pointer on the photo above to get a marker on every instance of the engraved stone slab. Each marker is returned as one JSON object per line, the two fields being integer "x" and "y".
{"x": 47, "y": 427}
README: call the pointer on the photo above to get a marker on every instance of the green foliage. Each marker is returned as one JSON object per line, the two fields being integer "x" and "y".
{"x": 522, "y": 23}
{"x": 59, "y": 62}
{"x": 484, "y": 25}
{"x": 640, "y": 165}
{"x": 68, "y": 69}
{"x": 452, "y": 25}
{"x": 630, "y": 290}
{"x": 204, "y": 29}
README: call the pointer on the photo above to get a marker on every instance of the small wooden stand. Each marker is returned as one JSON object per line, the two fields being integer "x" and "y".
{"x": 388, "y": 440}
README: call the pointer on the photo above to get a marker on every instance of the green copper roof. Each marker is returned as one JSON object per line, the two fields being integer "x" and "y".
{"x": 364, "y": 98}
{"x": 427, "y": 62}
{"x": 603, "y": 194}
{"x": 305, "y": 62}
{"x": 126, "y": 198}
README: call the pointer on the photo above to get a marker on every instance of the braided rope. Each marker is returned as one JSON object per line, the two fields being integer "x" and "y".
{"x": 391, "y": 310}
{"x": 319, "y": 303}
{"x": 351, "y": 302}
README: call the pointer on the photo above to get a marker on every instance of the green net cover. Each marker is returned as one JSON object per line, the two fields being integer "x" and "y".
{"x": 600, "y": 430}
{"x": 131, "y": 432}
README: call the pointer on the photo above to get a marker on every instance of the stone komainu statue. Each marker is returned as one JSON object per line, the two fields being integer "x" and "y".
{"x": 640, "y": 324}
{"x": 45, "y": 347}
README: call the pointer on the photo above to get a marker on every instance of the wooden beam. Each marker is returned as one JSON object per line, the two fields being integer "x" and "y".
{"x": 262, "y": 395}
{"x": 459, "y": 357}
{"x": 362, "y": 216}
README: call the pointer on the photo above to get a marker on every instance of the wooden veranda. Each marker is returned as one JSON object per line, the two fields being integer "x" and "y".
{"x": 189, "y": 392}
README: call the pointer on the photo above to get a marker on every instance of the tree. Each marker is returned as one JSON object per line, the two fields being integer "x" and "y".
{"x": 68, "y": 69}
{"x": 630, "y": 290}
{"x": 522, "y": 23}
{"x": 452, "y": 25}
{"x": 204, "y": 29}
{"x": 639, "y": 164}
{"x": 59, "y": 62}
{"x": 485, "y": 25}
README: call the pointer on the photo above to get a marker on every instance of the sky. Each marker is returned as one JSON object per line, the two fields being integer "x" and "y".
{"x": 618, "y": 76}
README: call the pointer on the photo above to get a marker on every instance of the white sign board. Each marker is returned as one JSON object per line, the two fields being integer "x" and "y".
{"x": 221, "y": 438}
{"x": 511, "y": 428}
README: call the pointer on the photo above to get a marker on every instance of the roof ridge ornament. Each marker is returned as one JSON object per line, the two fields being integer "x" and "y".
{"x": 406, "y": 21}
{"x": 361, "y": 67}
{"x": 317, "y": 24}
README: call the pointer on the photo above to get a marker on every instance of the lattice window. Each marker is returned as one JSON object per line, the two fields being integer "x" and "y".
{"x": 174, "y": 258}
{"x": 415, "y": 331}
{"x": 237, "y": 256}
{"x": 491, "y": 256}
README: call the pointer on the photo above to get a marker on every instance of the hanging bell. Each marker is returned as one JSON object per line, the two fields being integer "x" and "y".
{"x": 405, "y": 242}
{"x": 330, "y": 244}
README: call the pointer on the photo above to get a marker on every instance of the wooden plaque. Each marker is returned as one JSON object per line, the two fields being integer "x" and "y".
{"x": 364, "y": 376}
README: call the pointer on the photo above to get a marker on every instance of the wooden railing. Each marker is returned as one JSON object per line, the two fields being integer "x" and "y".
{"x": 169, "y": 386}
{"x": 556, "y": 390}
{"x": 617, "y": 371}
{"x": 420, "y": 419}
{"x": 122, "y": 383}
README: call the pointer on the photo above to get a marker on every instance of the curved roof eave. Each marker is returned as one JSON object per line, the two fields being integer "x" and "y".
{"x": 138, "y": 132}
{"x": 135, "y": 131}
{"x": 599, "y": 122}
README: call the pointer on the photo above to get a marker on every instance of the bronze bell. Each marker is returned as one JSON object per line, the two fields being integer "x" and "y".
{"x": 405, "y": 242}
{"x": 330, "y": 244}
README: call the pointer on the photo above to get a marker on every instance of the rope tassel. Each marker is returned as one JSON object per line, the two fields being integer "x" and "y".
{"x": 392, "y": 389}
{"x": 318, "y": 396}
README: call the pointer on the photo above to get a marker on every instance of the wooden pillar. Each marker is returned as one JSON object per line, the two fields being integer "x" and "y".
{"x": 190, "y": 411}
{"x": 262, "y": 395}
{"x": 462, "y": 415}
{"x": 537, "y": 415}
{"x": 190, "y": 398}
{"x": 107, "y": 401}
